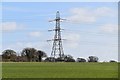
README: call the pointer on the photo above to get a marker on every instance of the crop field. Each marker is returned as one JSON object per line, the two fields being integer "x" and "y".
{"x": 59, "y": 70}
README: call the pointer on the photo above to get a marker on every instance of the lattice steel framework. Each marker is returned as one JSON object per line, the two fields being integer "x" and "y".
{"x": 57, "y": 49}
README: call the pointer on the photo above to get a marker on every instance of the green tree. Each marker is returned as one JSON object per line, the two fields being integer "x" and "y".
{"x": 9, "y": 55}
{"x": 40, "y": 55}
{"x": 81, "y": 60}
{"x": 29, "y": 53}
{"x": 93, "y": 59}
{"x": 65, "y": 58}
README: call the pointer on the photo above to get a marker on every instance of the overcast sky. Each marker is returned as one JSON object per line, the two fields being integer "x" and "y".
{"x": 90, "y": 28}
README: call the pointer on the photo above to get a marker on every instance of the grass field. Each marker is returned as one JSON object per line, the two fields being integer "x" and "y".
{"x": 59, "y": 70}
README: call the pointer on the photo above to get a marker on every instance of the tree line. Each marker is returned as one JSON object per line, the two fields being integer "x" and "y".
{"x": 34, "y": 55}
{"x": 26, "y": 55}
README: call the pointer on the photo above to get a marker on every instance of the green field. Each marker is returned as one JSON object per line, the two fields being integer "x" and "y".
{"x": 59, "y": 70}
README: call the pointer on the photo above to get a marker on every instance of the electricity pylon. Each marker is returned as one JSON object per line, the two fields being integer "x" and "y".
{"x": 57, "y": 49}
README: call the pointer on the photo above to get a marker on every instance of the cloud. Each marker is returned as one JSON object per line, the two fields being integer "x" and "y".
{"x": 16, "y": 9}
{"x": 81, "y": 15}
{"x": 72, "y": 40}
{"x": 109, "y": 28}
{"x": 18, "y": 46}
{"x": 35, "y": 34}
{"x": 104, "y": 11}
{"x": 88, "y": 15}
{"x": 10, "y": 26}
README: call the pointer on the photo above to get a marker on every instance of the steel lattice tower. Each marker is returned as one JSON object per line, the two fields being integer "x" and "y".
{"x": 57, "y": 49}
